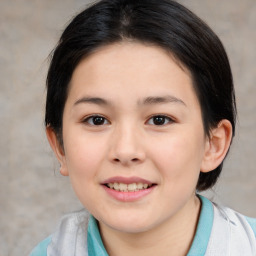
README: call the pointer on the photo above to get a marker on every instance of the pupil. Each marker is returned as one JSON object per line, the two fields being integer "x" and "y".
{"x": 159, "y": 120}
{"x": 98, "y": 120}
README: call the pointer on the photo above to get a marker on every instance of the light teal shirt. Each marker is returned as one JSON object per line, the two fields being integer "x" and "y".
{"x": 41, "y": 248}
{"x": 198, "y": 248}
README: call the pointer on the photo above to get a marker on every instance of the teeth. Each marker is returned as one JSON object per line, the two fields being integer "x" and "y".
{"x": 122, "y": 187}
{"x": 132, "y": 186}
{"x": 116, "y": 186}
{"x": 128, "y": 187}
{"x": 140, "y": 186}
{"x": 145, "y": 185}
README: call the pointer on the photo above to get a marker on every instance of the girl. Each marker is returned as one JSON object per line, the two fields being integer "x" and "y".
{"x": 140, "y": 113}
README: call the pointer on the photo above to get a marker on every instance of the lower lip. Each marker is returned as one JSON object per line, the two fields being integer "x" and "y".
{"x": 128, "y": 196}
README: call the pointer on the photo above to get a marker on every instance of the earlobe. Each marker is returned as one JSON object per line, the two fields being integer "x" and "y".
{"x": 217, "y": 146}
{"x": 57, "y": 149}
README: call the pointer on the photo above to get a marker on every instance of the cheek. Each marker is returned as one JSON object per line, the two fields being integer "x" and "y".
{"x": 179, "y": 157}
{"x": 84, "y": 154}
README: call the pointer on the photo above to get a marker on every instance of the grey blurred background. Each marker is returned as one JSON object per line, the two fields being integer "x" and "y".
{"x": 33, "y": 195}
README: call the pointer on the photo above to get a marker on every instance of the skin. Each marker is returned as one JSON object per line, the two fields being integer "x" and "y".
{"x": 136, "y": 82}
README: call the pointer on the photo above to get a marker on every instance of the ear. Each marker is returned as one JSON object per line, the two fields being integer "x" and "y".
{"x": 57, "y": 149}
{"x": 217, "y": 146}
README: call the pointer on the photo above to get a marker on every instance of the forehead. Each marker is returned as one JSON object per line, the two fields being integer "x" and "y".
{"x": 133, "y": 69}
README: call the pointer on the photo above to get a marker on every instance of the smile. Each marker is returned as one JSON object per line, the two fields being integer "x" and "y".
{"x": 132, "y": 187}
{"x": 128, "y": 189}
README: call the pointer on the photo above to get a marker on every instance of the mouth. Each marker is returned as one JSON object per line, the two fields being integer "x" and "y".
{"x": 128, "y": 189}
{"x": 131, "y": 187}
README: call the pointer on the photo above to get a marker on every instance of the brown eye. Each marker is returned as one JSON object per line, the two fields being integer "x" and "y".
{"x": 96, "y": 120}
{"x": 160, "y": 120}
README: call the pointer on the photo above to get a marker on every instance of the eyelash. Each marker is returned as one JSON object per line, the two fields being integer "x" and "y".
{"x": 90, "y": 119}
{"x": 162, "y": 119}
{"x": 167, "y": 120}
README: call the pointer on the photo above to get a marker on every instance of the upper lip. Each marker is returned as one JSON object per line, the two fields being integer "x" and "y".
{"x": 127, "y": 180}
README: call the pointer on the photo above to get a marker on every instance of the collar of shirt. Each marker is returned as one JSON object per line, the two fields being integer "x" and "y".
{"x": 199, "y": 245}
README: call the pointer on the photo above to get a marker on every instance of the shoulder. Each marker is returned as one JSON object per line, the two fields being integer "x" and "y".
{"x": 235, "y": 230}
{"x": 252, "y": 223}
{"x": 41, "y": 248}
{"x": 247, "y": 223}
{"x": 70, "y": 236}
{"x": 237, "y": 220}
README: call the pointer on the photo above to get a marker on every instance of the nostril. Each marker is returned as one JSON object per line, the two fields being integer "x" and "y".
{"x": 134, "y": 160}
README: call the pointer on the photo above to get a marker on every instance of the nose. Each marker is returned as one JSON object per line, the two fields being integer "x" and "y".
{"x": 126, "y": 146}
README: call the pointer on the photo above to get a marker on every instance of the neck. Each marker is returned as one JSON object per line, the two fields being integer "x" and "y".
{"x": 173, "y": 237}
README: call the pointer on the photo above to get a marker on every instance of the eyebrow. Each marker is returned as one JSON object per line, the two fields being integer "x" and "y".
{"x": 162, "y": 99}
{"x": 92, "y": 100}
{"x": 151, "y": 100}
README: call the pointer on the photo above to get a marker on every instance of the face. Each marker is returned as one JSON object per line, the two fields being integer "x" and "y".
{"x": 133, "y": 136}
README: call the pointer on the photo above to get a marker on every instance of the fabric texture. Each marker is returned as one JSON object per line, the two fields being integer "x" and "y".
{"x": 204, "y": 228}
{"x": 95, "y": 244}
{"x": 41, "y": 249}
{"x": 71, "y": 236}
{"x": 220, "y": 232}
{"x": 252, "y": 223}
{"x": 231, "y": 234}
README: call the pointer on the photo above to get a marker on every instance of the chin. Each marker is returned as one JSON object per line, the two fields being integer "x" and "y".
{"x": 129, "y": 225}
